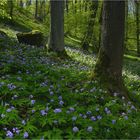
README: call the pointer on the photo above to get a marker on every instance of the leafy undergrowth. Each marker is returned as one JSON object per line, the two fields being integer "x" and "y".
{"x": 44, "y": 97}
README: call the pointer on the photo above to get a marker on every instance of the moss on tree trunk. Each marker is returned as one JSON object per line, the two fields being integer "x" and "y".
{"x": 107, "y": 78}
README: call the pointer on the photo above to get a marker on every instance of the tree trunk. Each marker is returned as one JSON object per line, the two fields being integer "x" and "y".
{"x": 56, "y": 41}
{"x": 21, "y": 3}
{"x": 28, "y": 2}
{"x": 36, "y": 9}
{"x": 126, "y": 25}
{"x": 10, "y": 7}
{"x": 108, "y": 68}
{"x": 41, "y": 10}
{"x": 85, "y": 3}
{"x": 75, "y": 8}
{"x": 91, "y": 22}
{"x": 100, "y": 25}
{"x": 67, "y": 6}
{"x": 137, "y": 24}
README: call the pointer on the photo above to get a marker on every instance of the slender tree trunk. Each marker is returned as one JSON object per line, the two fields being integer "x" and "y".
{"x": 137, "y": 24}
{"x": 85, "y": 3}
{"x": 21, "y": 3}
{"x": 56, "y": 41}
{"x": 41, "y": 13}
{"x": 67, "y": 5}
{"x": 100, "y": 25}
{"x": 36, "y": 9}
{"x": 28, "y": 2}
{"x": 126, "y": 25}
{"x": 91, "y": 22}
{"x": 108, "y": 68}
{"x": 75, "y": 8}
{"x": 11, "y": 7}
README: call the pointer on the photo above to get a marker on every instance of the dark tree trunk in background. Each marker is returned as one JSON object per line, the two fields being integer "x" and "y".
{"x": 21, "y": 3}
{"x": 88, "y": 35}
{"x": 67, "y": 5}
{"x": 137, "y": 24}
{"x": 108, "y": 68}
{"x": 56, "y": 41}
{"x": 10, "y": 7}
{"x": 100, "y": 25}
{"x": 28, "y": 2}
{"x": 126, "y": 25}
{"x": 75, "y": 7}
{"x": 36, "y": 9}
{"x": 41, "y": 13}
{"x": 85, "y": 3}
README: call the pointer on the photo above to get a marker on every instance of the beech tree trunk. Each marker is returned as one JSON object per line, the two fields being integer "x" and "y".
{"x": 21, "y": 3}
{"x": 108, "y": 68}
{"x": 89, "y": 32}
{"x": 56, "y": 41}
{"x": 36, "y": 9}
{"x": 137, "y": 24}
{"x": 126, "y": 25}
{"x": 28, "y": 2}
{"x": 10, "y": 7}
{"x": 67, "y": 6}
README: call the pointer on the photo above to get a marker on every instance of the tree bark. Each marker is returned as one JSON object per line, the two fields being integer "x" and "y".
{"x": 28, "y": 2}
{"x": 21, "y": 3}
{"x": 108, "y": 68}
{"x": 56, "y": 41}
{"x": 36, "y": 9}
{"x": 67, "y": 6}
{"x": 126, "y": 25}
{"x": 11, "y": 7}
{"x": 137, "y": 24}
{"x": 100, "y": 25}
{"x": 91, "y": 22}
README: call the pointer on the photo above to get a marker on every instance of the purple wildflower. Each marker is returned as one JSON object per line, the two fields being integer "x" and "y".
{"x": 126, "y": 117}
{"x": 61, "y": 103}
{"x": 57, "y": 110}
{"x": 51, "y": 93}
{"x": 11, "y": 86}
{"x": 89, "y": 129}
{"x": 33, "y": 111}
{"x": 75, "y": 129}
{"x": 47, "y": 109}
{"x": 9, "y": 134}
{"x": 88, "y": 112}
{"x": 84, "y": 116}
{"x": 9, "y": 110}
{"x": 113, "y": 121}
{"x": 55, "y": 122}
{"x": 60, "y": 98}
{"x": 33, "y": 102}
{"x": 74, "y": 118}
{"x": 99, "y": 117}
{"x": 43, "y": 113}
{"x": 97, "y": 109}
{"x": 52, "y": 100}
{"x": 68, "y": 112}
{"x": 31, "y": 96}
{"x": 71, "y": 109}
{"x": 25, "y": 135}
{"x": 23, "y": 122}
{"x": 93, "y": 118}
{"x": 2, "y": 115}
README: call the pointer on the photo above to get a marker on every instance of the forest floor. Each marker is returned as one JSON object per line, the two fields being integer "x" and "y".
{"x": 43, "y": 96}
